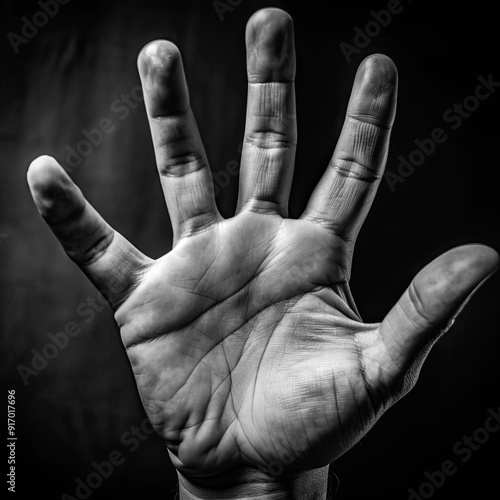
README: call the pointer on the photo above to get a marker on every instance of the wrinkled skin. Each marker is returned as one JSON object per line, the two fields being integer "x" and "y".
{"x": 236, "y": 360}
{"x": 244, "y": 339}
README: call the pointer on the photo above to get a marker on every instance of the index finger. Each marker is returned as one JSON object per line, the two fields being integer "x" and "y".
{"x": 345, "y": 193}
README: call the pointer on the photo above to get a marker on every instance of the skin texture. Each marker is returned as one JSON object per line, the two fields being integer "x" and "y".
{"x": 250, "y": 357}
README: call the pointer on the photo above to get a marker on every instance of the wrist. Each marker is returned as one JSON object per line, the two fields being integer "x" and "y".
{"x": 244, "y": 483}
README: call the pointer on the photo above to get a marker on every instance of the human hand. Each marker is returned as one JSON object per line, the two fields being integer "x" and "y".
{"x": 244, "y": 339}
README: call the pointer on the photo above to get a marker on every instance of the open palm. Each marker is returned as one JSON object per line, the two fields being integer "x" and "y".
{"x": 244, "y": 339}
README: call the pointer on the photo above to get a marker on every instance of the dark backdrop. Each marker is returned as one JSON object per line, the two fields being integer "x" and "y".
{"x": 77, "y": 70}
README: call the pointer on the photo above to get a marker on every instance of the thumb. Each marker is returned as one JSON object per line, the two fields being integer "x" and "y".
{"x": 433, "y": 300}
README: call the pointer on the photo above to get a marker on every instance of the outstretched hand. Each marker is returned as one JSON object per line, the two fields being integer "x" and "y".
{"x": 248, "y": 351}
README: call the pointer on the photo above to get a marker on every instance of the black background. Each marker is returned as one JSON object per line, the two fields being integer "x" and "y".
{"x": 65, "y": 79}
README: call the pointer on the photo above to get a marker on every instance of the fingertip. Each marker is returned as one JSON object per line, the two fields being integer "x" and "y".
{"x": 490, "y": 257}
{"x": 380, "y": 65}
{"x": 270, "y": 46}
{"x": 379, "y": 74}
{"x": 43, "y": 172}
{"x": 52, "y": 189}
{"x": 269, "y": 15}
{"x": 473, "y": 262}
{"x": 158, "y": 56}
{"x": 453, "y": 277}
{"x": 375, "y": 90}
{"x": 162, "y": 76}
